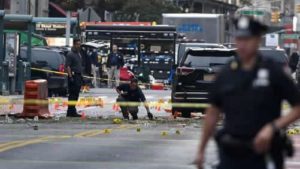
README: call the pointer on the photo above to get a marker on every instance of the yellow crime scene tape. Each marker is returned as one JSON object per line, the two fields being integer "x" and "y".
{"x": 91, "y": 101}
{"x": 95, "y": 102}
{"x": 87, "y": 77}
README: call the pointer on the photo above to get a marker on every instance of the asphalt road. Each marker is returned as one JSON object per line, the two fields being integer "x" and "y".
{"x": 96, "y": 143}
{"x": 83, "y": 145}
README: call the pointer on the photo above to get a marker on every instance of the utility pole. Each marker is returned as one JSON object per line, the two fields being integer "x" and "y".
{"x": 68, "y": 28}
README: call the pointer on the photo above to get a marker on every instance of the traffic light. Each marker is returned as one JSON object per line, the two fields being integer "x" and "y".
{"x": 275, "y": 17}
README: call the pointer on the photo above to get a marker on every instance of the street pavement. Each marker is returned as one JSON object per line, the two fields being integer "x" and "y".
{"x": 75, "y": 145}
{"x": 96, "y": 142}
{"x": 109, "y": 97}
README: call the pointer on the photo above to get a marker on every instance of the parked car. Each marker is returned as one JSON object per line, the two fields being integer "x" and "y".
{"x": 48, "y": 59}
{"x": 183, "y": 47}
{"x": 280, "y": 56}
{"x": 195, "y": 75}
{"x": 277, "y": 55}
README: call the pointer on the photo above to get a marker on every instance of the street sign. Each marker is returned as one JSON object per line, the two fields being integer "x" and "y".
{"x": 272, "y": 40}
{"x": 290, "y": 36}
{"x": 252, "y": 12}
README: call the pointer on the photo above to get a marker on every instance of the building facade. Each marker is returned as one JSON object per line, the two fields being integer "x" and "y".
{"x": 208, "y": 6}
{"x": 37, "y": 8}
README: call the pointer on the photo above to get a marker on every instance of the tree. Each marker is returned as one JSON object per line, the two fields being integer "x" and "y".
{"x": 114, "y": 5}
{"x": 145, "y": 10}
{"x": 70, "y": 5}
{"x": 125, "y": 10}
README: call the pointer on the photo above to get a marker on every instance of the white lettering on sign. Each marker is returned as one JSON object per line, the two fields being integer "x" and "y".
{"x": 50, "y": 26}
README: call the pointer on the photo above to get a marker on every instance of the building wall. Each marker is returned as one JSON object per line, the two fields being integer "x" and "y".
{"x": 233, "y": 2}
{"x": 37, "y": 8}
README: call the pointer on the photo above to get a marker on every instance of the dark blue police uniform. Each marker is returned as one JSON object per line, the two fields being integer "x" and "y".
{"x": 74, "y": 61}
{"x": 250, "y": 99}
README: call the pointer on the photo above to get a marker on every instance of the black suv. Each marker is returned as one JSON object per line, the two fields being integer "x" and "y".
{"x": 183, "y": 47}
{"x": 48, "y": 59}
{"x": 195, "y": 75}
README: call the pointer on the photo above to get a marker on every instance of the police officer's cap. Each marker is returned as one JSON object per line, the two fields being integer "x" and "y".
{"x": 247, "y": 26}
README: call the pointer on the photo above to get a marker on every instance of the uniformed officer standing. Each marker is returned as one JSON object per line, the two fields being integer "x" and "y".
{"x": 115, "y": 61}
{"x": 75, "y": 80}
{"x": 249, "y": 91}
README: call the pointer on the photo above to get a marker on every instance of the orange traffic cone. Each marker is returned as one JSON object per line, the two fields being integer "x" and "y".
{"x": 168, "y": 110}
{"x": 83, "y": 116}
{"x": 56, "y": 106}
{"x": 65, "y": 104}
{"x": 114, "y": 107}
{"x": 118, "y": 108}
{"x": 177, "y": 114}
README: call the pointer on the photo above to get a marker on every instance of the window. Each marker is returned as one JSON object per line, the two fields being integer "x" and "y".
{"x": 51, "y": 57}
{"x": 276, "y": 55}
{"x": 208, "y": 59}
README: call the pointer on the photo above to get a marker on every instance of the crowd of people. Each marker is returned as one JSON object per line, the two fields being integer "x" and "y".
{"x": 94, "y": 67}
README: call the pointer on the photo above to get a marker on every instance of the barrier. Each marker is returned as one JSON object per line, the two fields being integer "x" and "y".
{"x": 36, "y": 90}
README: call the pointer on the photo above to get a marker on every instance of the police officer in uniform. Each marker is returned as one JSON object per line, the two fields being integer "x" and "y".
{"x": 249, "y": 91}
{"x": 75, "y": 80}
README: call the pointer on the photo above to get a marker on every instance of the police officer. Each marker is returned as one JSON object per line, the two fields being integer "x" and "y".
{"x": 115, "y": 61}
{"x": 131, "y": 94}
{"x": 75, "y": 80}
{"x": 249, "y": 91}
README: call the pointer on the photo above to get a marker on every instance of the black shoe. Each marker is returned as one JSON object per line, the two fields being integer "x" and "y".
{"x": 126, "y": 117}
{"x": 73, "y": 115}
{"x": 135, "y": 118}
{"x": 150, "y": 116}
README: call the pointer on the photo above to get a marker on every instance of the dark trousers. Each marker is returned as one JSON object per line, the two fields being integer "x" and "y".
{"x": 126, "y": 110}
{"x": 251, "y": 161}
{"x": 74, "y": 90}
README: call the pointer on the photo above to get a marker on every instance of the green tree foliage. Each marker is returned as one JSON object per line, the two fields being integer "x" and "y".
{"x": 71, "y": 5}
{"x": 114, "y": 5}
{"x": 145, "y": 10}
{"x": 126, "y": 10}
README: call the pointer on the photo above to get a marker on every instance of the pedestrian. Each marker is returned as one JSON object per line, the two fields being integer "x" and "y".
{"x": 75, "y": 80}
{"x": 115, "y": 61}
{"x": 249, "y": 91}
{"x": 86, "y": 61}
{"x": 95, "y": 66}
{"x": 294, "y": 59}
{"x": 131, "y": 95}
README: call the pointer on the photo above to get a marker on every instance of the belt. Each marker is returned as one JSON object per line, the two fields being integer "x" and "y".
{"x": 234, "y": 145}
